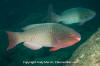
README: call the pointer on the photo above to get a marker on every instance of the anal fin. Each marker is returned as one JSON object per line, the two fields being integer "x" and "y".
{"x": 33, "y": 46}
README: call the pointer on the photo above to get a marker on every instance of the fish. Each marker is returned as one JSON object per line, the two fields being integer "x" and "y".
{"x": 75, "y": 15}
{"x": 36, "y": 36}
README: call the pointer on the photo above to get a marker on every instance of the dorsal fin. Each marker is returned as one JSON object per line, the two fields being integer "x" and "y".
{"x": 52, "y": 14}
{"x": 30, "y": 26}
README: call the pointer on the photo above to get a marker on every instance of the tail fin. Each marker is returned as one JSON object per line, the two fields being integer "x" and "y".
{"x": 52, "y": 14}
{"x": 11, "y": 40}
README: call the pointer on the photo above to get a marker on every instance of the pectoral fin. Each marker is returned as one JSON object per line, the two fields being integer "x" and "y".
{"x": 58, "y": 44}
{"x": 33, "y": 46}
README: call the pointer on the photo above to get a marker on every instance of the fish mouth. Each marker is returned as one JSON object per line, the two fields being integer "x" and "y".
{"x": 78, "y": 39}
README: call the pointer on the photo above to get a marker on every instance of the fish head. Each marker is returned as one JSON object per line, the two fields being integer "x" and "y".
{"x": 87, "y": 15}
{"x": 71, "y": 39}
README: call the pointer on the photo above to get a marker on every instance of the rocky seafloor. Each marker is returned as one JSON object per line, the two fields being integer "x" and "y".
{"x": 88, "y": 54}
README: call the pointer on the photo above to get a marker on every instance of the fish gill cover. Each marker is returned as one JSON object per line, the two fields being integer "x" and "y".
{"x": 14, "y": 14}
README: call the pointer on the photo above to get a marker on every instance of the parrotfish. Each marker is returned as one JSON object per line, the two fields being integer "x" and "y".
{"x": 52, "y": 35}
{"x": 76, "y": 15}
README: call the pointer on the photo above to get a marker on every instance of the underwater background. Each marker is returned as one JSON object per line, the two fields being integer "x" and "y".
{"x": 15, "y": 14}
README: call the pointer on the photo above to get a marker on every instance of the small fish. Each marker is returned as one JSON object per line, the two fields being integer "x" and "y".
{"x": 52, "y": 35}
{"x": 76, "y": 15}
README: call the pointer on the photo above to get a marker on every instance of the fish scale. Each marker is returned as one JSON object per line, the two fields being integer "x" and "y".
{"x": 41, "y": 31}
{"x": 49, "y": 39}
{"x": 47, "y": 34}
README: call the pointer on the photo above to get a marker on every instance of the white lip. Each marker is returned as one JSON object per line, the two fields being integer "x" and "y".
{"x": 78, "y": 39}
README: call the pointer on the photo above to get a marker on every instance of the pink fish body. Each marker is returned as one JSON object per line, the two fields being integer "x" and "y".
{"x": 52, "y": 35}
